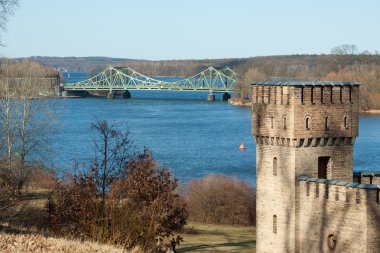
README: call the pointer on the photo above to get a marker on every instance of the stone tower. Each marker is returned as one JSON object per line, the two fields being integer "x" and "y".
{"x": 301, "y": 129}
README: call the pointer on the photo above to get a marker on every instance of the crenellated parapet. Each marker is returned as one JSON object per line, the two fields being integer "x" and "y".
{"x": 309, "y": 109}
{"x": 335, "y": 190}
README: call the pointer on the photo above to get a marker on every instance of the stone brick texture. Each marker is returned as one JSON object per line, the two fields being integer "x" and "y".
{"x": 293, "y": 126}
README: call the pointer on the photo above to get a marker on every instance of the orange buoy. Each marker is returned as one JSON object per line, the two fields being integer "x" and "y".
{"x": 242, "y": 146}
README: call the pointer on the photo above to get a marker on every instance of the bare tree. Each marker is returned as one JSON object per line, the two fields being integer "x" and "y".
{"x": 6, "y": 9}
{"x": 26, "y": 119}
{"x": 250, "y": 75}
{"x": 112, "y": 152}
{"x": 344, "y": 54}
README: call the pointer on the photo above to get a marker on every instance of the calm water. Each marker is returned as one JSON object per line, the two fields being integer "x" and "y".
{"x": 191, "y": 136}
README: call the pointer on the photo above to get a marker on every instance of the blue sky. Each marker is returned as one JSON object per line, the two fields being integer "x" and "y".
{"x": 189, "y": 29}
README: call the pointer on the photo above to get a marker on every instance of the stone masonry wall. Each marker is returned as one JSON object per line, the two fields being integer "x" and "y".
{"x": 275, "y": 197}
{"x": 350, "y": 214}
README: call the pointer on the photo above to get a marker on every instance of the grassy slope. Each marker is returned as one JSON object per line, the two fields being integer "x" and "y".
{"x": 218, "y": 238}
{"x": 198, "y": 237}
{"x": 28, "y": 243}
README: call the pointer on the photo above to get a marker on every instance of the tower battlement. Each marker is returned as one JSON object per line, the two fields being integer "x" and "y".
{"x": 312, "y": 109}
{"x": 340, "y": 191}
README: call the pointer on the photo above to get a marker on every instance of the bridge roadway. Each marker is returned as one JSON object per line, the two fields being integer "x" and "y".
{"x": 213, "y": 80}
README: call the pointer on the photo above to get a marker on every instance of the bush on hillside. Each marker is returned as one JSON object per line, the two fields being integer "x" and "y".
{"x": 122, "y": 199}
{"x": 221, "y": 200}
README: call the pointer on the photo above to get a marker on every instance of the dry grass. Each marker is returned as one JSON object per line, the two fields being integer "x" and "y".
{"x": 28, "y": 243}
{"x": 218, "y": 238}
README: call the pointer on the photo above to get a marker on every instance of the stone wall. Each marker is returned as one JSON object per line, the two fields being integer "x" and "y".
{"x": 349, "y": 212}
{"x": 275, "y": 196}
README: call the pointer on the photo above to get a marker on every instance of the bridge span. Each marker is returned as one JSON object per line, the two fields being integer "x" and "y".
{"x": 113, "y": 79}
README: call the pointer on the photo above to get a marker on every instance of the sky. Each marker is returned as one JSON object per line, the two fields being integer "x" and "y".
{"x": 189, "y": 29}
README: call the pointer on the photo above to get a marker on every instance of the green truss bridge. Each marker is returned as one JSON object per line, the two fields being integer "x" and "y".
{"x": 113, "y": 79}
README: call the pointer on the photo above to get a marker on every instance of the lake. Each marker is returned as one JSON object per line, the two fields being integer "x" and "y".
{"x": 191, "y": 136}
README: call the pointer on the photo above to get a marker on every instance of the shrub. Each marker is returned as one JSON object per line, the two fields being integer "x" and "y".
{"x": 122, "y": 199}
{"x": 221, "y": 200}
{"x": 141, "y": 209}
{"x": 150, "y": 212}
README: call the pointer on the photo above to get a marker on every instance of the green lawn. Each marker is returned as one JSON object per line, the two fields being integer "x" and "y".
{"x": 218, "y": 238}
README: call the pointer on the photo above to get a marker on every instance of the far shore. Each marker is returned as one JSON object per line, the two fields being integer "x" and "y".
{"x": 371, "y": 112}
{"x": 246, "y": 102}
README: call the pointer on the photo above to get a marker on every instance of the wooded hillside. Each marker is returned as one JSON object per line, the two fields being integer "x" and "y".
{"x": 343, "y": 64}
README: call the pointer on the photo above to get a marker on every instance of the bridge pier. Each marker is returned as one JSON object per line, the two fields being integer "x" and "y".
{"x": 110, "y": 95}
{"x": 58, "y": 91}
{"x": 127, "y": 94}
{"x": 226, "y": 96}
{"x": 210, "y": 97}
{"x": 74, "y": 93}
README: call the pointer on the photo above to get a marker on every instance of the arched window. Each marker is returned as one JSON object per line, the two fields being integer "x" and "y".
{"x": 308, "y": 123}
{"x": 284, "y": 123}
{"x": 345, "y": 121}
{"x": 271, "y": 122}
{"x": 326, "y": 123}
{"x": 275, "y": 224}
{"x": 275, "y": 166}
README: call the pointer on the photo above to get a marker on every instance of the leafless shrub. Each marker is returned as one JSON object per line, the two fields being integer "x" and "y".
{"x": 221, "y": 200}
{"x": 126, "y": 200}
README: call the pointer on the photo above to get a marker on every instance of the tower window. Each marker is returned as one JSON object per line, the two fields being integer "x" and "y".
{"x": 271, "y": 122}
{"x": 275, "y": 224}
{"x": 326, "y": 123}
{"x": 275, "y": 166}
{"x": 282, "y": 94}
{"x": 341, "y": 95}
{"x": 307, "y": 189}
{"x": 307, "y": 123}
{"x": 331, "y": 95}
{"x": 284, "y": 123}
{"x": 302, "y": 95}
{"x": 345, "y": 122}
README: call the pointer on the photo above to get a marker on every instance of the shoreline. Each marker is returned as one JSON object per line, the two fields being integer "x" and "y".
{"x": 240, "y": 102}
{"x": 372, "y": 112}
{"x": 247, "y": 102}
